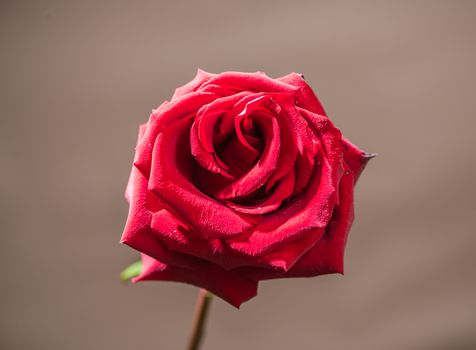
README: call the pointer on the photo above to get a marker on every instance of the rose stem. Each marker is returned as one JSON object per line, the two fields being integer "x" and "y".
{"x": 200, "y": 318}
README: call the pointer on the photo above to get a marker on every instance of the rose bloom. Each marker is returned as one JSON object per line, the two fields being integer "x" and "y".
{"x": 241, "y": 178}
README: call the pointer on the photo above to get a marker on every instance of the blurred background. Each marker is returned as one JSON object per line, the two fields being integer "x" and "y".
{"x": 76, "y": 79}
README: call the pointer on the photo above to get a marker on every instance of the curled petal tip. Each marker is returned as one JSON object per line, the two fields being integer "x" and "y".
{"x": 369, "y": 156}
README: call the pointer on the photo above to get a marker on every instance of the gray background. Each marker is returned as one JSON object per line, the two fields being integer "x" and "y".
{"x": 397, "y": 77}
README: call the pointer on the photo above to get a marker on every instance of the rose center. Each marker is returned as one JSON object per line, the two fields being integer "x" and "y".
{"x": 240, "y": 147}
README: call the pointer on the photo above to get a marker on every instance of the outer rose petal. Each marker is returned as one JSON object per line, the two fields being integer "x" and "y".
{"x": 130, "y": 183}
{"x": 305, "y": 97}
{"x": 200, "y": 78}
{"x": 179, "y": 237}
{"x": 327, "y": 256}
{"x": 355, "y": 159}
{"x": 137, "y": 233}
{"x": 258, "y": 82}
{"x": 228, "y": 285}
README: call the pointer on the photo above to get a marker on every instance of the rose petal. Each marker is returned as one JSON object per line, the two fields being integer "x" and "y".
{"x": 129, "y": 188}
{"x": 283, "y": 190}
{"x": 355, "y": 158}
{"x": 200, "y": 78}
{"x": 228, "y": 285}
{"x": 183, "y": 107}
{"x": 286, "y": 256}
{"x": 137, "y": 233}
{"x": 237, "y": 157}
{"x": 259, "y": 174}
{"x": 177, "y": 236}
{"x": 327, "y": 256}
{"x": 170, "y": 180}
{"x": 289, "y": 137}
{"x": 202, "y": 134}
{"x": 311, "y": 209}
{"x": 305, "y": 97}
{"x": 239, "y": 81}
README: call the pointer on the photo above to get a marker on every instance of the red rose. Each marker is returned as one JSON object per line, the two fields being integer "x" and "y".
{"x": 241, "y": 178}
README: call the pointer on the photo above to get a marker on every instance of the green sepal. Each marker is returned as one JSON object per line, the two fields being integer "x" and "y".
{"x": 131, "y": 271}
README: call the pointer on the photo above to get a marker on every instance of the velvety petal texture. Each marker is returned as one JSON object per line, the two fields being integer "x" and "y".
{"x": 241, "y": 178}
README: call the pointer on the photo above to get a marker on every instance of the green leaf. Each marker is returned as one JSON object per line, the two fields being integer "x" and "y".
{"x": 133, "y": 270}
